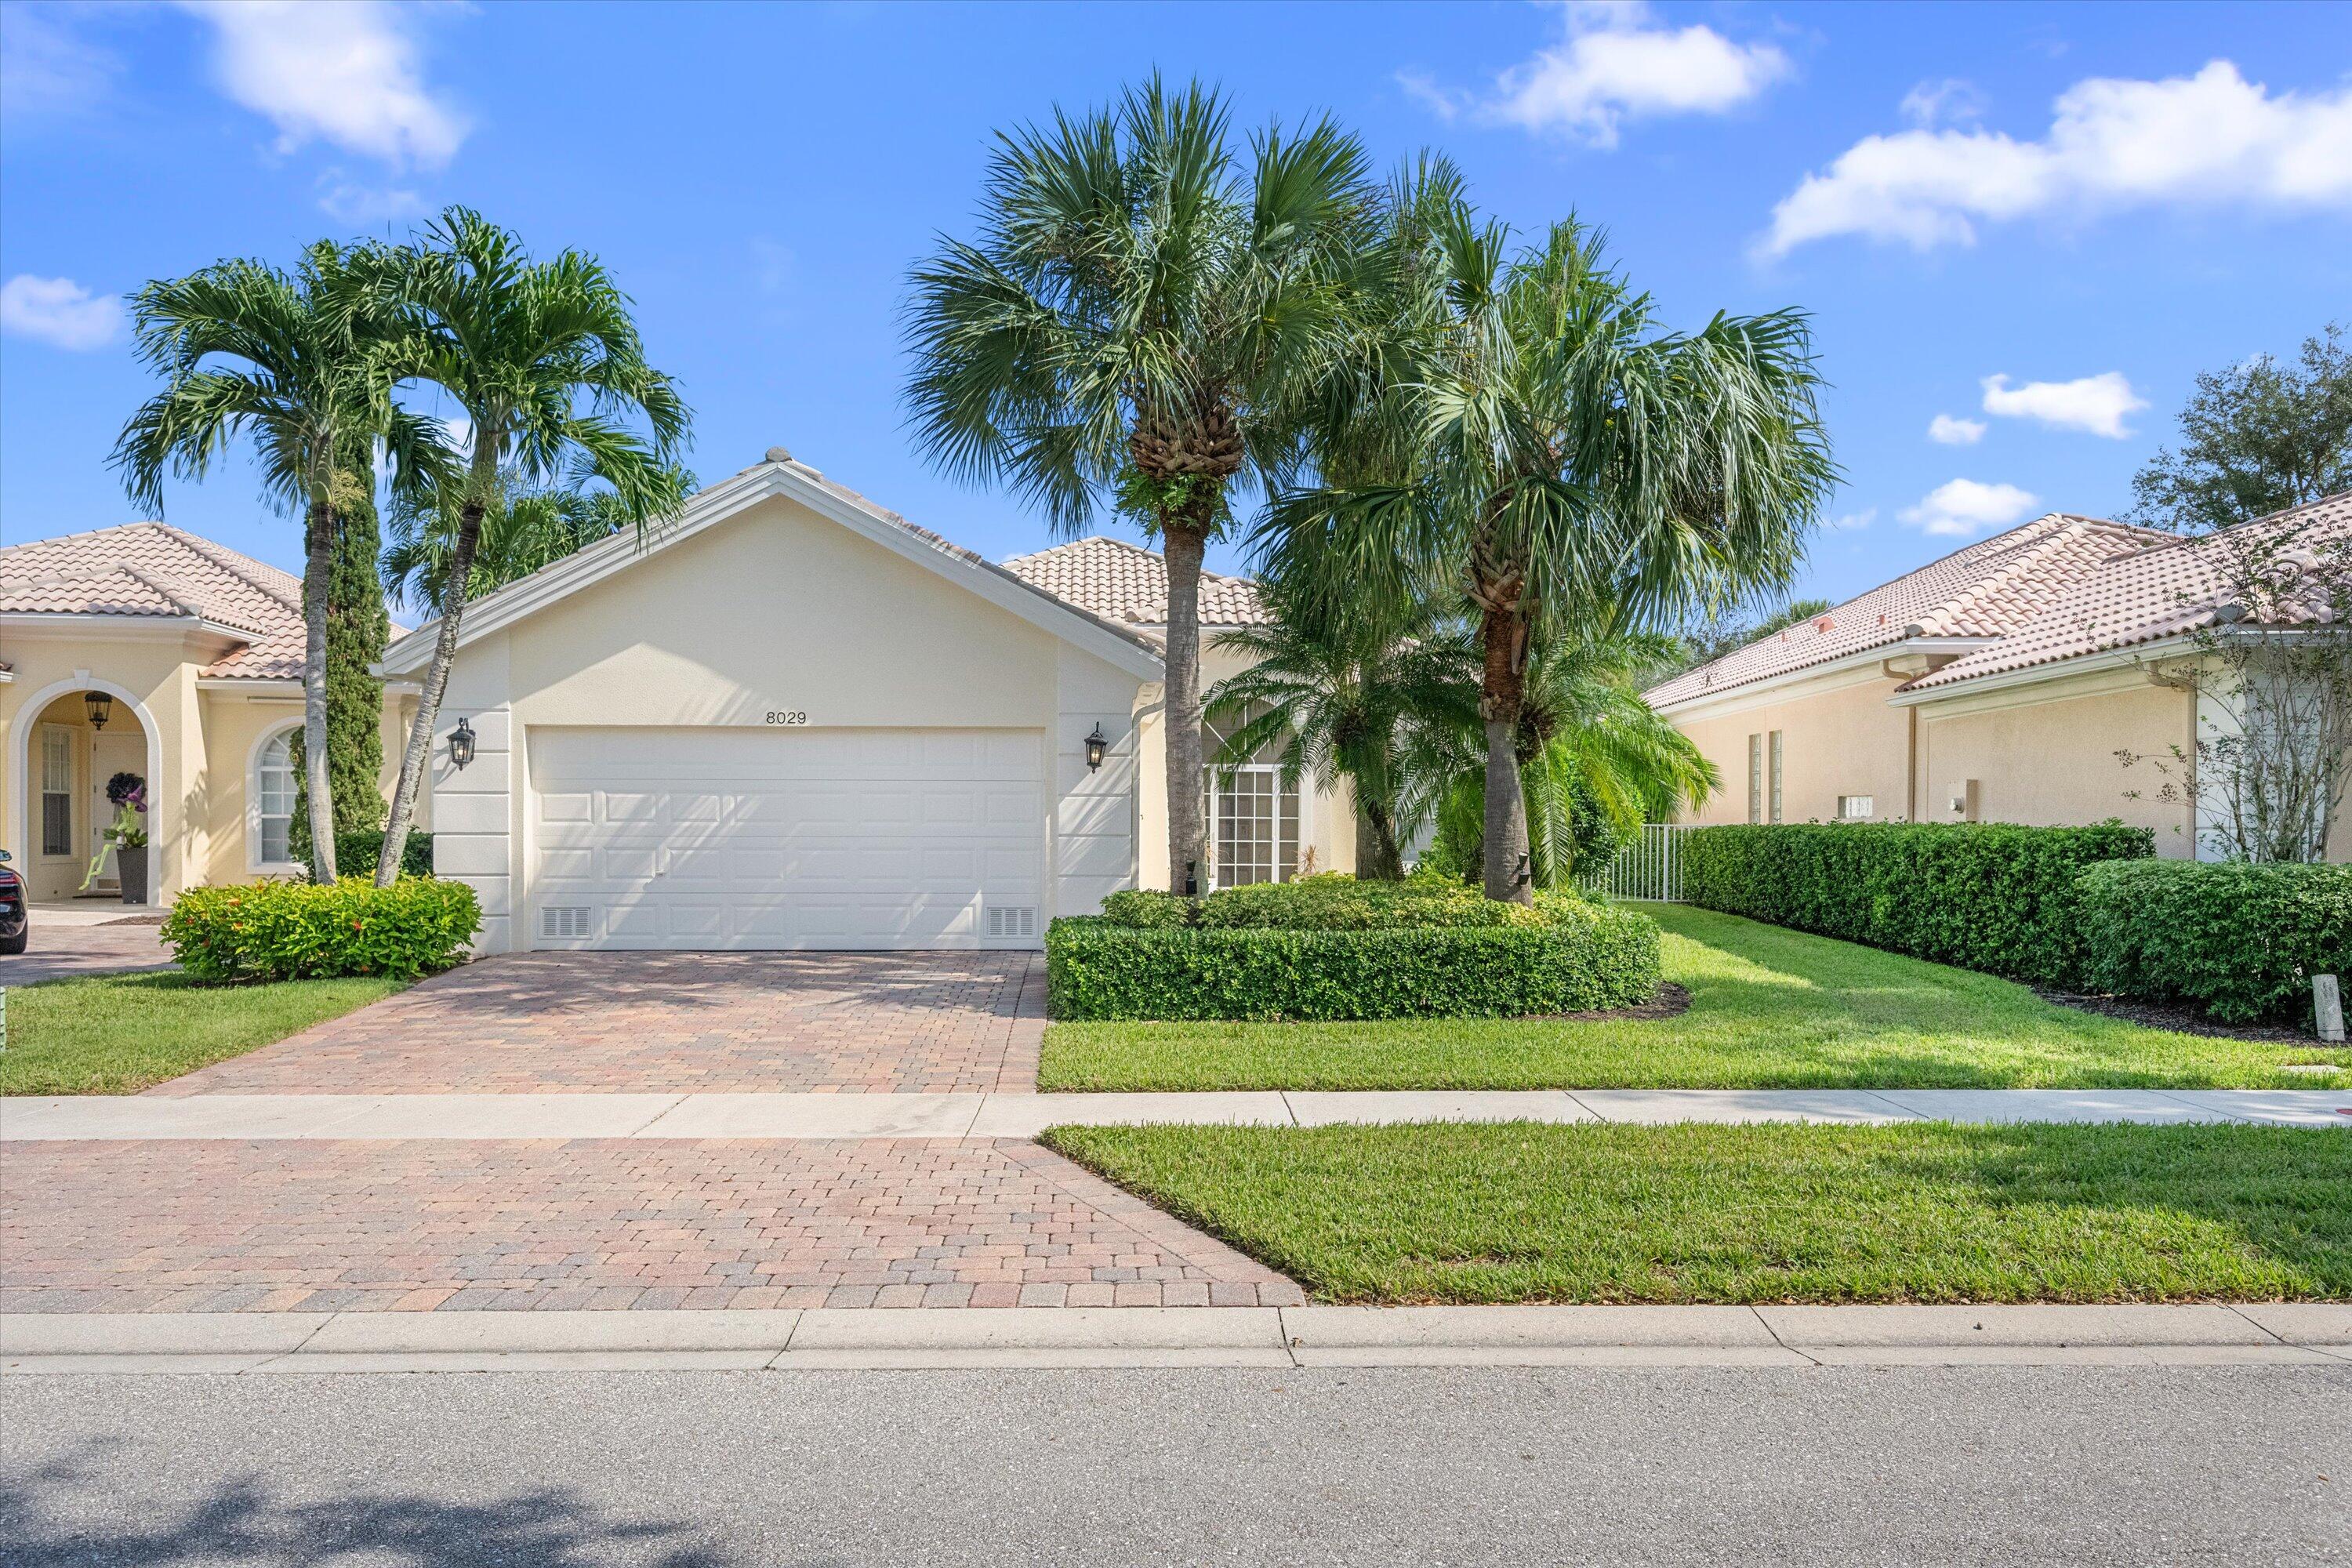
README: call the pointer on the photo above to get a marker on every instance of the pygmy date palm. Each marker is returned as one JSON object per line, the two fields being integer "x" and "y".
{"x": 543, "y": 361}
{"x": 295, "y": 362}
{"x": 1137, "y": 321}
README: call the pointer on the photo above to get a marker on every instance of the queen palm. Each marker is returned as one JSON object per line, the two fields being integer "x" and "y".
{"x": 295, "y": 361}
{"x": 543, "y": 361}
{"x": 1573, "y": 455}
{"x": 526, "y": 528}
{"x": 1138, "y": 321}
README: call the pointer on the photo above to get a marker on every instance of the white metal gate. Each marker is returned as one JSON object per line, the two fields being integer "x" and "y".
{"x": 1649, "y": 868}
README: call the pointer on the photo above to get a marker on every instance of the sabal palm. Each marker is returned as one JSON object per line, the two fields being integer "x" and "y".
{"x": 1572, "y": 454}
{"x": 526, "y": 528}
{"x": 1333, "y": 695}
{"x": 544, "y": 362}
{"x": 295, "y": 362}
{"x": 1139, "y": 320}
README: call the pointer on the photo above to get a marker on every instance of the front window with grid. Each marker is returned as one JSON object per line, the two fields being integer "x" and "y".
{"x": 273, "y": 799}
{"x": 1252, "y": 819}
{"x": 1857, "y": 807}
{"x": 57, "y": 790}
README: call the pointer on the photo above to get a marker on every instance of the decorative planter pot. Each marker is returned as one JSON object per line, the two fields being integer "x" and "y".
{"x": 130, "y": 866}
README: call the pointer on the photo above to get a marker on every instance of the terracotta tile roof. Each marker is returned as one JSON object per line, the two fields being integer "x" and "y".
{"x": 152, "y": 569}
{"x": 1123, "y": 582}
{"x": 1986, "y": 589}
{"x": 2165, "y": 590}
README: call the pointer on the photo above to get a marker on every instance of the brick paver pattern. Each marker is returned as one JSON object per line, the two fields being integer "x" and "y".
{"x": 848, "y": 1023}
{"x": 590, "y": 1224}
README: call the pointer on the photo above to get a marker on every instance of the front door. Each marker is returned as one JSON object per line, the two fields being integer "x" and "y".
{"x": 110, "y": 754}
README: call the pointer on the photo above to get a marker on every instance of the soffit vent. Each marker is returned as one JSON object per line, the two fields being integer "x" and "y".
{"x": 564, "y": 919}
{"x": 1005, "y": 919}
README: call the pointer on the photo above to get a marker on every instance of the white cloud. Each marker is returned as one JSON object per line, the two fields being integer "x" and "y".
{"x": 2093, "y": 403}
{"x": 1616, "y": 64}
{"x": 1962, "y": 507}
{"x": 1951, "y": 102}
{"x": 58, "y": 312}
{"x": 343, "y": 71}
{"x": 1846, "y": 522}
{"x": 45, "y": 68}
{"x": 2213, "y": 137}
{"x": 362, "y": 206}
{"x": 1946, "y": 431}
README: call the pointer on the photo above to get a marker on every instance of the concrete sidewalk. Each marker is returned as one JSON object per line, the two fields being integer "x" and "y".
{"x": 443, "y": 1116}
{"x": 2310, "y": 1334}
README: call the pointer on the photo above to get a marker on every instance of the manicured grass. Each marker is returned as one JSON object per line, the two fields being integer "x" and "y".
{"x": 1769, "y": 1009}
{"x": 116, "y": 1034}
{"x": 1929, "y": 1212}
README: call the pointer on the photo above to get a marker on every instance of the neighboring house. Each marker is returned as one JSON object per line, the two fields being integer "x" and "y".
{"x": 1997, "y": 684}
{"x": 793, "y": 719}
{"x": 146, "y": 649}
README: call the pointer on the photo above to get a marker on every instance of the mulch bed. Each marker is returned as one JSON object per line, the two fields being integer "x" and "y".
{"x": 2172, "y": 1015}
{"x": 1670, "y": 1002}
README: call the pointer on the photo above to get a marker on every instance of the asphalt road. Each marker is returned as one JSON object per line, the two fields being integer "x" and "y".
{"x": 1471, "y": 1467}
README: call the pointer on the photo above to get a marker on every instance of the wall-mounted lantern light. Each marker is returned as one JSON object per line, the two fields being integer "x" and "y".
{"x": 1096, "y": 744}
{"x": 99, "y": 706}
{"x": 461, "y": 745}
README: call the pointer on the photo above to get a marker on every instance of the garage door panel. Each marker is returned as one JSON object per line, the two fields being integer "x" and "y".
{"x": 799, "y": 838}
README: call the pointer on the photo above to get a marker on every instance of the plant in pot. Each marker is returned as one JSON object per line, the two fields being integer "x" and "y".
{"x": 127, "y": 836}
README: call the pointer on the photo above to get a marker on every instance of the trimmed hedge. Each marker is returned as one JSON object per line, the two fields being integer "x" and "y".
{"x": 303, "y": 931}
{"x": 356, "y": 853}
{"x": 1573, "y": 957}
{"x": 1333, "y": 901}
{"x": 1994, "y": 897}
{"x": 2239, "y": 942}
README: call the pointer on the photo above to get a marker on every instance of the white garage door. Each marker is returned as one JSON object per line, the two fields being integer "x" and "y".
{"x": 785, "y": 838}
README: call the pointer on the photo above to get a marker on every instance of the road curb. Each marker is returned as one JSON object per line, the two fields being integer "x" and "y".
{"x": 2318, "y": 1335}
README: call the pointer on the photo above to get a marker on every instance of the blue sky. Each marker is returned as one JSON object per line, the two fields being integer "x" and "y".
{"x": 2090, "y": 204}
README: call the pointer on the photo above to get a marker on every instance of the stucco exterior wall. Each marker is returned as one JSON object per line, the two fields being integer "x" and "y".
{"x": 2045, "y": 753}
{"x": 1839, "y": 737}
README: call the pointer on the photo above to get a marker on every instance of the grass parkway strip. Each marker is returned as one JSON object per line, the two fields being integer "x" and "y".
{"x": 1769, "y": 1009}
{"x": 1919, "y": 1212}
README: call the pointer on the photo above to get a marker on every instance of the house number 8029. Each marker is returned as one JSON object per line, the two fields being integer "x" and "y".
{"x": 793, "y": 717}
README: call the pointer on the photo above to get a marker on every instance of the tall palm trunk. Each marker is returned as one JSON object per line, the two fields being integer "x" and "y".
{"x": 1185, "y": 541}
{"x": 436, "y": 680}
{"x": 1503, "y": 638}
{"x": 1379, "y": 857}
{"x": 318, "y": 570}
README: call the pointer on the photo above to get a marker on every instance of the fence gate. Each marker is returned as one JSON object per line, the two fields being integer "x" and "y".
{"x": 1649, "y": 868}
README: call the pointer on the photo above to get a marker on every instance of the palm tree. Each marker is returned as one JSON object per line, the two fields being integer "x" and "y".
{"x": 1333, "y": 695}
{"x": 295, "y": 361}
{"x": 543, "y": 361}
{"x": 1138, "y": 321}
{"x": 526, "y": 528}
{"x": 1573, "y": 455}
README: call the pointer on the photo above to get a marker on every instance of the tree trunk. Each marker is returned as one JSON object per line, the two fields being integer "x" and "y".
{"x": 318, "y": 569}
{"x": 436, "y": 679}
{"x": 1378, "y": 857}
{"x": 1503, "y": 637}
{"x": 1183, "y": 542}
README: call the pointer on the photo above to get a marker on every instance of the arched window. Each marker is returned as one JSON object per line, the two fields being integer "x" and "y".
{"x": 273, "y": 800}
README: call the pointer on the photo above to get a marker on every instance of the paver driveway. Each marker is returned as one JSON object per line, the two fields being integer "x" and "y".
{"x": 851, "y": 1023}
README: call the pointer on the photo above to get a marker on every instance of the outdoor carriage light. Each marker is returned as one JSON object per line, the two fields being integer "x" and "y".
{"x": 461, "y": 745}
{"x": 1096, "y": 744}
{"x": 100, "y": 707}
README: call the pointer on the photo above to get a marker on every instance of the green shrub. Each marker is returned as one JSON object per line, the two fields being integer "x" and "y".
{"x": 1145, "y": 909}
{"x": 1573, "y": 956}
{"x": 356, "y": 852}
{"x": 1988, "y": 896}
{"x": 2240, "y": 941}
{"x": 1331, "y": 902}
{"x": 302, "y": 930}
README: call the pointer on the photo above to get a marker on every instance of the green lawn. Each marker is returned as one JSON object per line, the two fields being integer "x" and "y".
{"x": 116, "y": 1034}
{"x": 1931, "y": 1212}
{"x": 1769, "y": 1009}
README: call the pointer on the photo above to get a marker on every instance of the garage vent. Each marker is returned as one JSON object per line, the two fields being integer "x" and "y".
{"x": 1009, "y": 921}
{"x": 564, "y": 919}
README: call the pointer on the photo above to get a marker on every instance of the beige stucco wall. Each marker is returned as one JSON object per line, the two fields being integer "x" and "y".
{"x": 2045, "y": 753}
{"x": 778, "y": 608}
{"x": 198, "y": 783}
{"x": 1839, "y": 737}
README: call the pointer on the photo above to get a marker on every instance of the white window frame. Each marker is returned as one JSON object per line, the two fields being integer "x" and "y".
{"x": 1779, "y": 751}
{"x": 1756, "y": 777}
{"x": 1869, "y": 808}
{"x": 1213, "y": 776}
{"x": 62, "y": 735}
{"x": 254, "y": 863}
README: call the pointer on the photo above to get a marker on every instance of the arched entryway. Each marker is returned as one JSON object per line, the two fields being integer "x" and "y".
{"x": 68, "y": 742}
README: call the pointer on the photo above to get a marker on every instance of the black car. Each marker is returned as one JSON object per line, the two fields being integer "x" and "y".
{"x": 14, "y": 922}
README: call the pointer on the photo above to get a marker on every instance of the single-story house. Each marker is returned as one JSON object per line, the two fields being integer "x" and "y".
{"x": 146, "y": 649}
{"x": 793, "y": 719}
{"x": 1997, "y": 684}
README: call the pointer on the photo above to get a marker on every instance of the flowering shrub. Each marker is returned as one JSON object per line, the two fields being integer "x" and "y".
{"x": 301, "y": 931}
